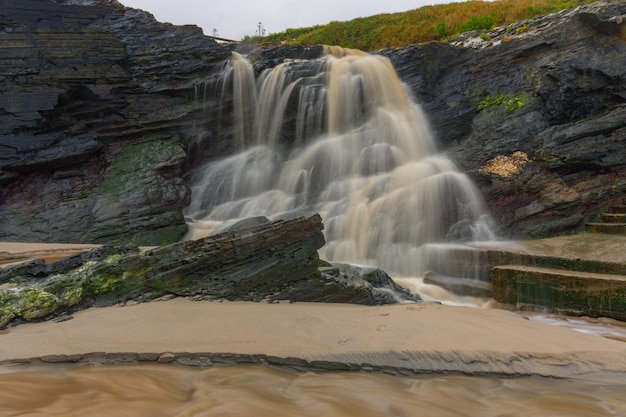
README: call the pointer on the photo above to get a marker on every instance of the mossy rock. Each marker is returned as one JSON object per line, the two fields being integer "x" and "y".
{"x": 29, "y": 303}
{"x": 140, "y": 156}
{"x": 68, "y": 291}
{"x": 6, "y": 315}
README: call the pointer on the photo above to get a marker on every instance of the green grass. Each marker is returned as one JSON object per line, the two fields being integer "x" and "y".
{"x": 428, "y": 23}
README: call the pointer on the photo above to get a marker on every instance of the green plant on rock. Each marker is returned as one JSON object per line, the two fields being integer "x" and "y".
{"x": 441, "y": 30}
{"x": 511, "y": 102}
{"x": 98, "y": 279}
{"x": 69, "y": 292}
{"x": 140, "y": 156}
{"x": 484, "y": 22}
{"x": 415, "y": 26}
{"x": 521, "y": 29}
{"x": 103, "y": 284}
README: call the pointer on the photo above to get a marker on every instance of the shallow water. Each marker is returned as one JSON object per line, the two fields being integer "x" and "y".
{"x": 602, "y": 326}
{"x": 168, "y": 390}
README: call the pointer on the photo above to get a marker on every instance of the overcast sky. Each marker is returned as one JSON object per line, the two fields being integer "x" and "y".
{"x": 235, "y": 19}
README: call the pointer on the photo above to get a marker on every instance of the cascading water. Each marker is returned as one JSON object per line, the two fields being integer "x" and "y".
{"x": 342, "y": 137}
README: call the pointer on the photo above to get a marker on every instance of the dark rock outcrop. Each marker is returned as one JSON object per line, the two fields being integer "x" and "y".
{"x": 551, "y": 90}
{"x": 99, "y": 117}
{"x": 96, "y": 98}
{"x": 272, "y": 261}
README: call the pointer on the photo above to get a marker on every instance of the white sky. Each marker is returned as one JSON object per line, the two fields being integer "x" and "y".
{"x": 235, "y": 19}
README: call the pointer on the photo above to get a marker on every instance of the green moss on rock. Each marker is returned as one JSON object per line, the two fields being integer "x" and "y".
{"x": 511, "y": 102}
{"x": 70, "y": 292}
{"x": 28, "y": 303}
{"x": 6, "y": 315}
{"x": 138, "y": 157}
{"x": 106, "y": 285}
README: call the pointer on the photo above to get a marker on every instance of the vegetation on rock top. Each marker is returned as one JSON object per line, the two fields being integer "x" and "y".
{"x": 427, "y": 23}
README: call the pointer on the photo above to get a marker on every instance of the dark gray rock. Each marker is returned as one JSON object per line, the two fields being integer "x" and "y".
{"x": 377, "y": 286}
{"x": 272, "y": 261}
{"x": 553, "y": 88}
{"x": 100, "y": 120}
{"x": 27, "y": 153}
{"x": 97, "y": 102}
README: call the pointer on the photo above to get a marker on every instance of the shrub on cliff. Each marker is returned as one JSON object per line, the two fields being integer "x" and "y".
{"x": 425, "y": 24}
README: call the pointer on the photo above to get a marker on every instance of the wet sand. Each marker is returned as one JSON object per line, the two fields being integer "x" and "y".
{"x": 16, "y": 252}
{"x": 404, "y": 339}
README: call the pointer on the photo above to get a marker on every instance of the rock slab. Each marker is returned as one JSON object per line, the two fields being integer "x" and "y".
{"x": 563, "y": 291}
{"x": 273, "y": 261}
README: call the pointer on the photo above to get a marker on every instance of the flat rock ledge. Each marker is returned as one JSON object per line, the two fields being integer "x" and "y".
{"x": 389, "y": 362}
{"x": 402, "y": 339}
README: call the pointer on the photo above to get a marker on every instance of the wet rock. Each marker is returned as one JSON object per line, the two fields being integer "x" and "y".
{"x": 99, "y": 102}
{"x": 270, "y": 261}
{"x": 37, "y": 269}
{"x": 553, "y": 88}
{"x": 562, "y": 291}
{"x": 102, "y": 117}
{"x": 343, "y": 283}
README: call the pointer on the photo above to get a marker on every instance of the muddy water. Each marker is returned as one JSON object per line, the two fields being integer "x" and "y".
{"x": 167, "y": 390}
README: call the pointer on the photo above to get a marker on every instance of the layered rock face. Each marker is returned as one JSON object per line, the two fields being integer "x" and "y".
{"x": 272, "y": 261}
{"x": 100, "y": 117}
{"x": 535, "y": 112}
{"x": 95, "y": 100}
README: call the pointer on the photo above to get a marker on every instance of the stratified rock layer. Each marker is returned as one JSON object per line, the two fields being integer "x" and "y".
{"x": 95, "y": 100}
{"x": 564, "y": 291}
{"x": 273, "y": 261}
{"x": 100, "y": 116}
{"x": 549, "y": 94}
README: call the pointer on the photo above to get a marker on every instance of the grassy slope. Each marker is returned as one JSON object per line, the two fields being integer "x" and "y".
{"x": 425, "y": 24}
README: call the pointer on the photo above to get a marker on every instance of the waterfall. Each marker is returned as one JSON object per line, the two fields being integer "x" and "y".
{"x": 340, "y": 136}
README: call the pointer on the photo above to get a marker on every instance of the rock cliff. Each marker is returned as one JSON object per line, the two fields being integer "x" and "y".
{"x": 535, "y": 112}
{"x": 99, "y": 118}
{"x": 95, "y": 100}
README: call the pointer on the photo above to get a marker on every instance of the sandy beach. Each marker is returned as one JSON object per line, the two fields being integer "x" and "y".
{"x": 404, "y": 338}
{"x": 15, "y": 252}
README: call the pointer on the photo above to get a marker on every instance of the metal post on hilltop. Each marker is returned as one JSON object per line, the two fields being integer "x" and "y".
{"x": 260, "y": 30}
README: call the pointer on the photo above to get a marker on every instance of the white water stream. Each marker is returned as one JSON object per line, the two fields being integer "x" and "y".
{"x": 342, "y": 137}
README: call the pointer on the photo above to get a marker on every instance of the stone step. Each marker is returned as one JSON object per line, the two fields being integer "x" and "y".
{"x": 618, "y": 209}
{"x": 610, "y": 228}
{"x": 585, "y": 252}
{"x": 564, "y": 291}
{"x": 614, "y": 217}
